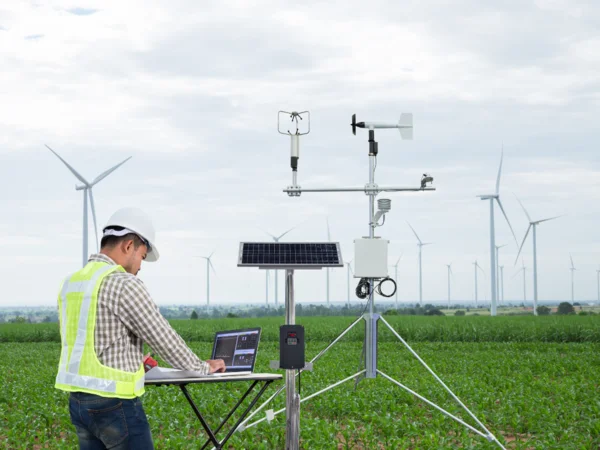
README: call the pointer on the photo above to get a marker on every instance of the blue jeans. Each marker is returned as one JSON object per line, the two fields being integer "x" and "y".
{"x": 109, "y": 423}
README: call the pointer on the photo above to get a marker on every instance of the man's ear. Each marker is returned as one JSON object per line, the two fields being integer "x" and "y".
{"x": 127, "y": 245}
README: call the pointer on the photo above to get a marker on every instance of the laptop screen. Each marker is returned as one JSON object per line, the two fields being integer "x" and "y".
{"x": 237, "y": 348}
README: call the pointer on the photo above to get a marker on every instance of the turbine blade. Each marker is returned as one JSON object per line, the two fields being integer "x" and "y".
{"x": 94, "y": 215}
{"x": 211, "y": 266}
{"x": 413, "y": 230}
{"x": 522, "y": 243}
{"x": 398, "y": 261}
{"x": 524, "y": 210}
{"x": 572, "y": 265}
{"x": 279, "y": 237}
{"x": 426, "y": 243}
{"x": 106, "y": 173}
{"x": 507, "y": 221}
{"x": 73, "y": 171}
{"x": 499, "y": 172}
{"x": 550, "y": 218}
{"x": 328, "y": 233}
{"x": 516, "y": 273}
{"x": 274, "y": 237}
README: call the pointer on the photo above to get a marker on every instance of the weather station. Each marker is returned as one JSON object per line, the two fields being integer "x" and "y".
{"x": 371, "y": 268}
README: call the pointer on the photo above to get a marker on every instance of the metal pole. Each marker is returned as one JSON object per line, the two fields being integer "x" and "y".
{"x": 397, "y": 286}
{"x": 276, "y": 289}
{"x": 327, "y": 272}
{"x": 492, "y": 258}
{"x": 371, "y": 319}
{"x": 207, "y": 284}
{"x": 420, "y": 276}
{"x": 535, "y": 289}
{"x": 292, "y": 399}
{"x": 85, "y": 227}
{"x": 598, "y": 283}
{"x": 267, "y": 288}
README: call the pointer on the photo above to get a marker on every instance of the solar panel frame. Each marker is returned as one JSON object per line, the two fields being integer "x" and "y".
{"x": 290, "y": 255}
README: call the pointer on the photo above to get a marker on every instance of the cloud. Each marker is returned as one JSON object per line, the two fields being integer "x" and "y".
{"x": 33, "y": 37}
{"x": 82, "y": 11}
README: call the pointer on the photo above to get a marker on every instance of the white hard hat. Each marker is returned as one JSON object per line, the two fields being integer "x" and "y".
{"x": 137, "y": 221}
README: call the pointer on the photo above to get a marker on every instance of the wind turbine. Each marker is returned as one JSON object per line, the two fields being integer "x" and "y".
{"x": 533, "y": 224}
{"x": 491, "y": 198}
{"x": 476, "y": 266}
{"x": 449, "y": 266}
{"x": 209, "y": 265}
{"x": 420, "y": 245}
{"x": 349, "y": 263}
{"x": 395, "y": 266}
{"x": 87, "y": 190}
{"x": 572, "y": 269}
{"x": 524, "y": 269}
{"x": 276, "y": 239}
{"x": 498, "y": 247}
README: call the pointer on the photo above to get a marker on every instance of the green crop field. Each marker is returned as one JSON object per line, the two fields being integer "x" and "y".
{"x": 532, "y": 381}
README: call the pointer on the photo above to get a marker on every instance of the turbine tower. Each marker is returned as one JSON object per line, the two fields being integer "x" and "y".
{"x": 276, "y": 239}
{"x": 498, "y": 247}
{"x": 502, "y": 285}
{"x": 533, "y": 224}
{"x": 349, "y": 264}
{"x": 87, "y": 190}
{"x": 395, "y": 266}
{"x": 209, "y": 265}
{"x": 491, "y": 198}
{"x": 449, "y": 266}
{"x": 420, "y": 245}
{"x": 572, "y": 269}
{"x": 476, "y": 266}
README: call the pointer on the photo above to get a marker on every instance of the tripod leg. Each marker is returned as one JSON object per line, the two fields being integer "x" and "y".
{"x": 328, "y": 388}
{"x": 278, "y": 391}
{"x": 489, "y": 436}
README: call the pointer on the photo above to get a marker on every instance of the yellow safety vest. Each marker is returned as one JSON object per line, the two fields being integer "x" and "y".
{"x": 79, "y": 369}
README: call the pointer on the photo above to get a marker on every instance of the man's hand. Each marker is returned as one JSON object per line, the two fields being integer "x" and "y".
{"x": 216, "y": 365}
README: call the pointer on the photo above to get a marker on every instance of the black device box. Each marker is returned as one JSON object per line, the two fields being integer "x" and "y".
{"x": 291, "y": 347}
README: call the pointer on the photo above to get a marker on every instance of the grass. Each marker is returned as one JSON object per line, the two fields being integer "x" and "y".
{"x": 413, "y": 328}
{"x": 531, "y": 393}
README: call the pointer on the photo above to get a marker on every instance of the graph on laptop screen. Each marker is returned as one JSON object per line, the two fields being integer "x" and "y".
{"x": 237, "y": 348}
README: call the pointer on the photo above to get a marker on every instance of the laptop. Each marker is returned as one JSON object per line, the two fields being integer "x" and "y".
{"x": 237, "y": 348}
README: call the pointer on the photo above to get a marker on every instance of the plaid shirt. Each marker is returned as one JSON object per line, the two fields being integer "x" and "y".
{"x": 126, "y": 317}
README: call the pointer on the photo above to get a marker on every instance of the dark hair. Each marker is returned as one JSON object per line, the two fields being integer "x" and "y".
{"x": 112, "y": 241}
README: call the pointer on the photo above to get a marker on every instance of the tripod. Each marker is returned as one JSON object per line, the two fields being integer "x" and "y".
{"x": 370, "y": 318}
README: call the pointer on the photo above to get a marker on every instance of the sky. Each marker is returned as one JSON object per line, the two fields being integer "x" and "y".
{"x": 191, "y": 91}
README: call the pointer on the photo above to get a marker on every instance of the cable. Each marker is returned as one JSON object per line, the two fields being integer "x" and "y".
{"x": 380, "y": 292}
{"x": 362, "y": 289}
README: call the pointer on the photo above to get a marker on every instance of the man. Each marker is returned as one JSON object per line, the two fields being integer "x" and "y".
{"x": 106, "y": 314}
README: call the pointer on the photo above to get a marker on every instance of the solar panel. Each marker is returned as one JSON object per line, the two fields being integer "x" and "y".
{"x": 290, "y": 255}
